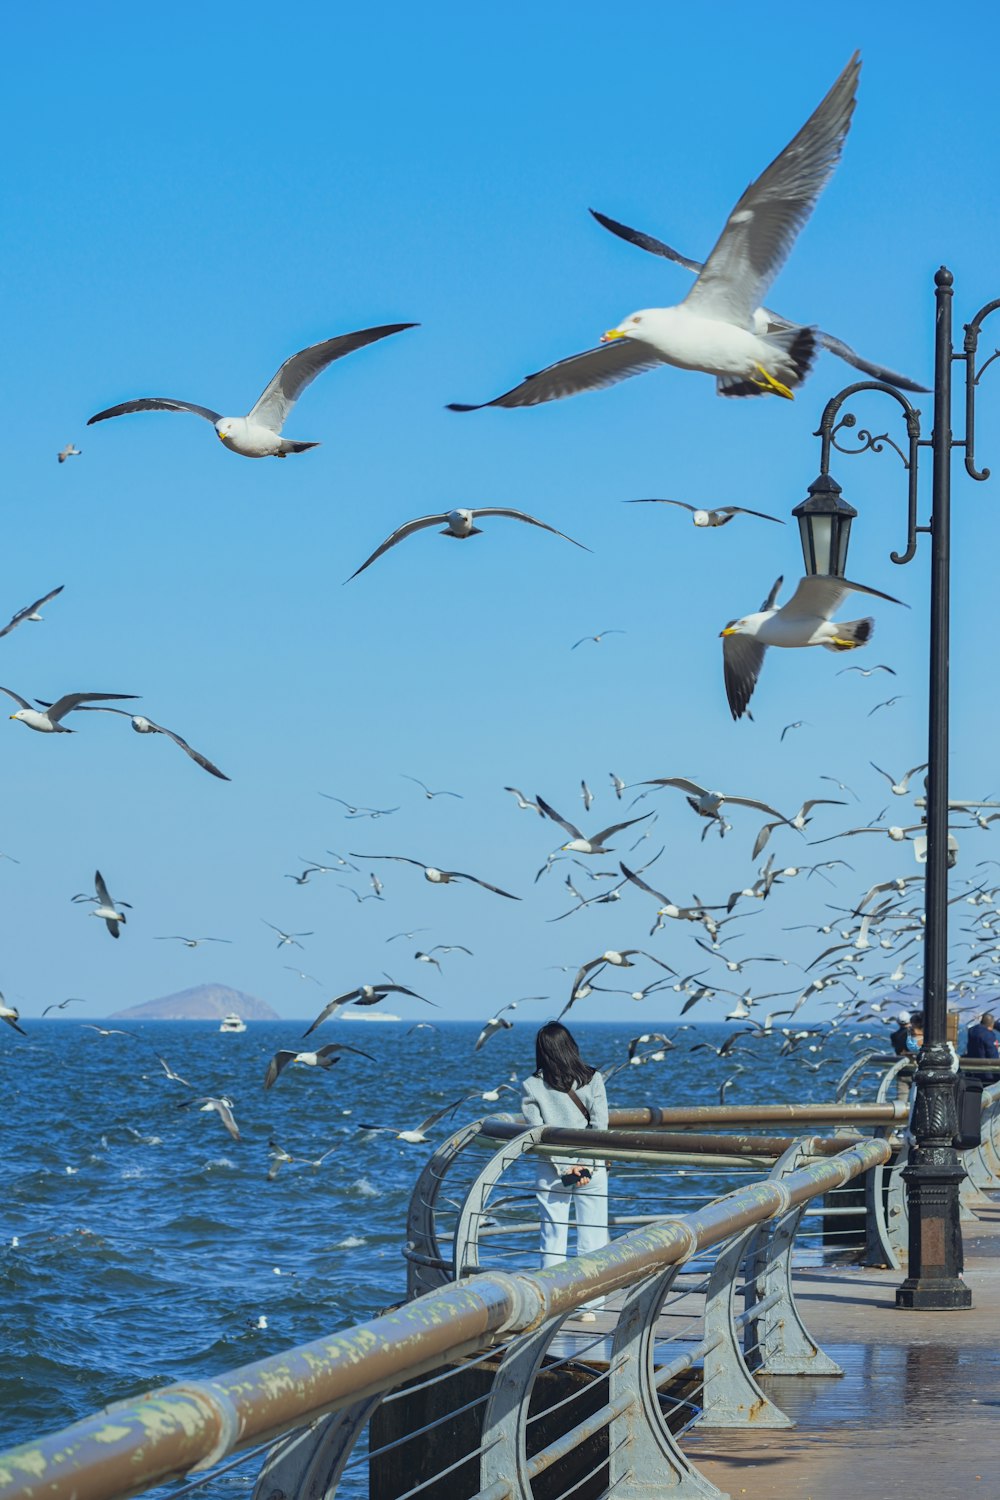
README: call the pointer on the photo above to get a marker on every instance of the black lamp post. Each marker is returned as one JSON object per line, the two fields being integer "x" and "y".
{"x": 933, "y": 1172}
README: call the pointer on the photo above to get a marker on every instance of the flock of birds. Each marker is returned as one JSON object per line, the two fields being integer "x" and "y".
{"x": 722, "y": 328}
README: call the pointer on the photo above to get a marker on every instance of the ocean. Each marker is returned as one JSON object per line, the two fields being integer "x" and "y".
{"x": 142, "y": 1245}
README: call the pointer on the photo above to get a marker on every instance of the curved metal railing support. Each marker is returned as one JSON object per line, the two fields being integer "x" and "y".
{"x": 309, "y": 1464}
{"x": 425, "y": 1267}
{"x": 465, "y": 1249}
{"x": 732, "y": 1396}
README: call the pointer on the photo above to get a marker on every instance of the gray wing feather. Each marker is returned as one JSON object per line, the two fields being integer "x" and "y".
{"x": 399, "y": 535}
{"x": 819, "y": 596}
{"x": 646, "y": 242}
{"x": 195, "y": 755}
{"x": 521, "y": 515}
{"x": 284, "y": 389}
{"x": 30, "y": 609}
{"x": 590, "y": 371}
{"x": 103, "y": 894}
{"x": 763, "y": 226}
{"x": 16, "y": 697}
{"x": 742, "y": 659}
{"x": 155, "y": 403}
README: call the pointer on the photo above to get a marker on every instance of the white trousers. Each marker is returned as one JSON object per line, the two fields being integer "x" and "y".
{"x": 591, "y": 1207}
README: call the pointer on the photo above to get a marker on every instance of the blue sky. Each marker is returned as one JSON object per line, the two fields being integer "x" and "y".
{"x": 192, "y": 198}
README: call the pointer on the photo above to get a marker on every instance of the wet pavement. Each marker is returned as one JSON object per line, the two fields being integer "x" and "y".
{"x": 916, "y": 1412}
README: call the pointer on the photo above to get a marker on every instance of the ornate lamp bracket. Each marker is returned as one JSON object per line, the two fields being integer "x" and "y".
{"x": 972, "y": 379}
{"x": 869, "y": 442}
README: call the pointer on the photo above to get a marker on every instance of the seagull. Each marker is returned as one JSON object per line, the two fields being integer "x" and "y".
{"x": 666, "y": 1044}
{"x": 439, "y": 877}
{"x": 109, "y": 1031}
{"x": 598, "y": 638}
{"x": 715, "y": 328}
{"x": 176, "y": 937}
{"x": 142, "y": 725}
{"x": 223, "y": 1108}
{"x": 579, "y": 843}
{"x": 841, "y": 786}
{"x": 365, "y": 994}
{"x": 174, "y": 1077}
{"x": 707, "y": 804}
{"x": 302, "y": 975}
{"x": 618, "y": 784}
{"x": 586, "y": 795}
{"x": 30, "y": 611}
{"x": 49, "y": 722}
{"x": 900, "y": 788}
{"x": 523, "y": 802}
{"x": 869, "y": 671}
{"x": 799, "y": 724}
{"x": 461, "y": 524}
{"x": 104, "y": 907}
{"x": 68, "y": 452}
{"x": 620, "y": 959}
{"x": 668, "y": 908}
{"x": 804, "y": 621}
{"x": 408, "y": 935}
{"x": 886, "y": 703}
{"x": 799, "y": 821}
{"x": 11, "y": 1015}
{"x": 427, "y": 791}
{"x": 62, "y": 1004}
{"x": 720, "y": 516}
{"x": 897, "y": 834}
{"x": 418, "y": 1134}
{"x": 286, "y": 939}
{"x": 323, "y": 1057}
{"x": 311, "y": 869}
{"x": 360, "y": 812}
{"x": 495, "y": 1023}
{"x": 258, "y": 434}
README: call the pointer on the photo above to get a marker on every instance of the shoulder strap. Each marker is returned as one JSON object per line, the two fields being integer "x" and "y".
{"x": 579, "y": 1104}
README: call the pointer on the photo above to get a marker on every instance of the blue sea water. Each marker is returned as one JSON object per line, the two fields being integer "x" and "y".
{"x": 140, "y": 1244}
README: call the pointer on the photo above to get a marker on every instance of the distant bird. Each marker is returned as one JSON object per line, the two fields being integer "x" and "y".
{"x": 365, "y": 994}
{"x": 418, "y": 1134}
{"x": 408, "y": 935}
{"x": 142, "y": 725}
{"x": 900, "y": 788}
{"x": 841, "y": 786}
{"x": 868, "y": 671}
{"x": 596, "y": 638}
{"x": 668, "y": 908}
{"x": 799, "y": 724}
{"x": 665, "y": 1044}
{"x": 109, "y": 1031}
{"x": 175, "y": 937}
{"x": 721, "y": 327}
{"x": 104, "y": 907}
{"x": 806, "y": 620}
{"x": 174, "y": 1077}
{"x": 798, "y": 822}
{"x": 490, "y": 1028}
{"x": 439, "y": 877}
{"x": 361, "y": 812}
{"x": 68, "y": 452}
{"x": 258, "y": 434}
{"x": 579, "y": 843}
{"x": 222, "y": 1106}
{"x": 427, "y": 791}
{"x": 311, "y": 978}
{"x": 886, "y": 703}
{"x": 621, "y": 959}
{"x": 708, "y": 804}
{"x": 587, "y": 795}
{"x": 30, "y": 611}
{"x": 50, "y": 722}
{"x": 62, "y": 1004}
{"x": 286, "y": 939}
{"x": 11, "y": 1015}
{"x": 727, "y": 1047}
{"x": 524, "y": 802}
{"x": 311, "y": 869}
{"x": 618, "y": 784}
{"x": 461, "y": 524}
{"x": 720, "y": 516}
{"x": 324, "y": 1057}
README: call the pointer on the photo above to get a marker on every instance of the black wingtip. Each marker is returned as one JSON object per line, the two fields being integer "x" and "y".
{"x": 461, "y": 406}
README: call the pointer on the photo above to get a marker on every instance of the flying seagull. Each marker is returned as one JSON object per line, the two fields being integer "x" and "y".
{"x": 223, "y": 1107}
{"x": 70, "y": 451}
{"x": 286, "y": 939}
{"x": 30, "y": 611}
{"x": 806, "y": 620}
{"x": 104, "y": 907}
{"x": 523, "y": 802}
{"x": 597, "y": 639}
{"x": 579, "y": 843}
{"x": 715, "y": 329}
{"x": 189, "y": 942}
{"x": 365, "y": 994}
{"x": 702, "y": 516}
{"x": 418, "y": 1134}
{"x": 708, "y": 804}
{"x": 258, "y": 434}
{"x": 899, "y": 788}
{"x": 62, "y": 1004}
{"x": 869, "y": 671}
{"x": 461, "y": 524}
{"x": 11, "y": 1015}
{"x": 426, "y": 789}
{"x": 436, "y": 876}
{"x": 142, "y": 725}
{"x": 50, "y": 722}
{"x": 323, "y": 1057}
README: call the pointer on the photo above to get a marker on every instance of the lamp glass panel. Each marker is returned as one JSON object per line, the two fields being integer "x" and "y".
{"x": 821, "y": 532}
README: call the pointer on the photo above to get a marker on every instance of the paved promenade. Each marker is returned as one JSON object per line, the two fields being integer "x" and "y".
{"x": 917, "y": 1412}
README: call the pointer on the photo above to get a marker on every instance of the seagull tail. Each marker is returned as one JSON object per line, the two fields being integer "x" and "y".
{"x": 794, "y": 352}
{"x": 851, "y": 634}
{"x": 288, "y": 445}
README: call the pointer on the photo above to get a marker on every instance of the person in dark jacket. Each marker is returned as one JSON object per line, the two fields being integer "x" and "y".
{"x": 983, "y": 1041}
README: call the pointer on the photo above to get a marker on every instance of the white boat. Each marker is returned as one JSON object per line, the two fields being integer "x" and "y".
{"x": 233, "y": 1022}
{"x": 368, "y": 1015}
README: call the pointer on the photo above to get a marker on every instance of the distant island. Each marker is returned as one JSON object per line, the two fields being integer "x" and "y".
{"x": 205, "y": 1002}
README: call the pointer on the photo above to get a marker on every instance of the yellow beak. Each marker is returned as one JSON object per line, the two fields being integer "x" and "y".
{"x": 612, "y": 333}
{"x": 729, "y": 630}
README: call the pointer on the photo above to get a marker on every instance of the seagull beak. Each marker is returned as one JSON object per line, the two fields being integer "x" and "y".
{"x": 729, "y": 630}
{"x": 612, "y": 333}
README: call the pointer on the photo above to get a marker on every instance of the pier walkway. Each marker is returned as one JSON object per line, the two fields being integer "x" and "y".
{"x": 916, "y": 1413}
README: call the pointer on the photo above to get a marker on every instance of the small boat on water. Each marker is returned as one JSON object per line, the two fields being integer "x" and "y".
{"x": 366, "y": 1015}
{"x": 233, "y": 1022}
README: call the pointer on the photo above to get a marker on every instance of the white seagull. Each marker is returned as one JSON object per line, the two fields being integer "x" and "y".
{"x": 715, "y": 328}
{"x": 142, "y": 725}
{"x": 806, "y": 620}
{"x": 703, "y": 516}
{"x": 579, "y": 843}
{"x": 104, "y": 907}
{"x": 286, "y": 939}
{"x": 11, "y": 1015}
{"x": 70, "y": 451}
{"x": 323, "y": 1057}
{"x": 50, "y": 721}
{"x": 900, "y": 788}
{"x": 258, "y": 434}
{"x": 30, "y": 611}
{"x": 222, "y": 1106}
{"x": 436, "y": 876}
{"x": 365, "y": 994}
{"x": 418, "y": 1134}
{"x": 461, "y": 524}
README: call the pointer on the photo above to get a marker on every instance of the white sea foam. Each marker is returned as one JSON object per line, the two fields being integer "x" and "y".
{"x": 219, "y": 1163}
{"x": 364, "y": 1189}
{"x": 351, "y": 1242}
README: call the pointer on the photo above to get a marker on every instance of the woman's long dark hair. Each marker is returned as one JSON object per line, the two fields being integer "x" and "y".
{"x": 557, "y": 1059}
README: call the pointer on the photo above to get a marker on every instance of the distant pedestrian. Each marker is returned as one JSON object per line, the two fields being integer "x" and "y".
{"x": 984, "y": 1044}
{"x": 566, "y": 1091}
{"x": 901, "y": 1038}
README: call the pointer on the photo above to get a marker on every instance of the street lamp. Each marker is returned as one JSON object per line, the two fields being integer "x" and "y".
{"x": 933, "y": 1172}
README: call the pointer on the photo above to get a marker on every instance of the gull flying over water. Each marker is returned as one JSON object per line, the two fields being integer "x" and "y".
{"x": 579, "y": 843}
{"x": 324, "y": 1057}
{"x": 524, "y": 802}
{"x": 418, "y": 1134}
{"x": 258, "y": 434}
{"x": 222, "y": 1106}
{"x": 50, "y": 721}
{"x": 11, "y": 1015}
{"x": 806, "y": 620}
{"x": 716, "y": 328}
{"x": 62, "y": 1004}
{"x": 436, "y": 876}
{"x": 721, "y": 515}
{"x": 142, "y": 725}
{"x": 30, "y": 611}
{"x": 460, "y": 524}
{"x": 365, "y": 994}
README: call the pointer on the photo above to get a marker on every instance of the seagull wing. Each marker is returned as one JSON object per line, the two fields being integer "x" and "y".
{"x": 521, "y": 515}
{"x": 590, "y": 371}
{"x": 156, "y": 403}
{"x": 762, "y": 228}
{"x": 30, "y": 609}
{"x": 740, "y": 510}
{"x": 331, "y": 1052}
{"x": 607, "y": 833}
{"x": 195, "y": 755}
{"x": 329, "y": 1009}
{"x": 400, "y": 535}
{"x": 876, "y": 372}
{"x": 742, "y": 659}
{"x": 646, "y": 242}
{"x": 279, "y": 1062}
{"x": 458, "y": 875}
{"x": 497, "y": 1023}
{"x": 439, "y": 1114}
{"x": 820, "y": 595}
{"x": 226, "y": 1116}
{"x": 16, "y": 697}
{"x": 637, "y": 880}
{"x": 103, "y": 894}
{"x": 655, "y": 500}
{"x": 284, "y": 389}
{"x": 681, "y": 782}
{"x": 69, "y": 701}
{"x": 761, "y": 806}
{"x": 550, "y": 812}
{"x": 400, "y": 859}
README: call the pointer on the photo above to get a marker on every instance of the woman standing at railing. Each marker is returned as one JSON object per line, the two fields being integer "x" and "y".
{"x": 566, "y": 1091}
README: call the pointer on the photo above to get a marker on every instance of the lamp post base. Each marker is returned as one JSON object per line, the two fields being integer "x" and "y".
{"x": 932, "y": 1177}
